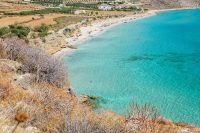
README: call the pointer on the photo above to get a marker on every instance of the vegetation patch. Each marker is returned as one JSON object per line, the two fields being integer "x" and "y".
{"x": 83, "y": 5}
{"x": 4, "y": 31}
{"x": 19, "y": 31}
{"x": 14, "y": 30}
{"x": 44, "y": 11}
{"x": 43, "y": 30}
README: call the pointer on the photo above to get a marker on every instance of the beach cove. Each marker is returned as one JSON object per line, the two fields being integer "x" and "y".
{"x": 100, "y": 26}
{"x": 154, "y": 60}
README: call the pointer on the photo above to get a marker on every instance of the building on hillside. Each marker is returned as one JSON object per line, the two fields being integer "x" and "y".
{"x": 26, "y": 1}
{"x": 105, "y": 7}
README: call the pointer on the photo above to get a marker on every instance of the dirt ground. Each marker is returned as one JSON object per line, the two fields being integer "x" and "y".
{"x": 13, "y": 7}
{"x": 6, "y": 21}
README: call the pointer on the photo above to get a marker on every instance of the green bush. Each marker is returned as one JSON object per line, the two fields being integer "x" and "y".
{"x": 43, "y": 30}
{"x": 14, "y": 30}
{"x": 4, "y": 31}
{"x": 43, "y": 34}
{"x": 19, "y": 31}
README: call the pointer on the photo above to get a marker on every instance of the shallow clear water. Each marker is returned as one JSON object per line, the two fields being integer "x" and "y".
{"x": 155, "y": 60}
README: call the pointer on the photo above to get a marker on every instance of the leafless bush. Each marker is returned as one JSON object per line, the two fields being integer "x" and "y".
{"x": 142, "y": 119}
{"x": 46, "y": 67}
{"x": 83, "y": 124}
{"x": 51, "y": 104}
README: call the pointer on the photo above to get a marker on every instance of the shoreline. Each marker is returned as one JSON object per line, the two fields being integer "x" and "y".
{"x": 100, "y": 26}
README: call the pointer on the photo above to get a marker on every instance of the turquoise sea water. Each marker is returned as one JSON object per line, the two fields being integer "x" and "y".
{"x": 155, "y": 60}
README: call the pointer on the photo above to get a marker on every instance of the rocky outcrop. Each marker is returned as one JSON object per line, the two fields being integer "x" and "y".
{"x": 164, "y": 121}
{"x": 90, "y": 101}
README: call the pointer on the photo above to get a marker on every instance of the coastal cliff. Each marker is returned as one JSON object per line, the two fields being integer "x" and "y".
{"x": 32, "y": 100}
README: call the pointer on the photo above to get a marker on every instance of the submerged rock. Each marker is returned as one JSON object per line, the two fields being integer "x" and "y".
{"x": 71, "y": 47}
{"x": 91, "y": 101}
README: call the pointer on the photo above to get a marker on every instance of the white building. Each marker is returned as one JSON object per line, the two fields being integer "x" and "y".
{"x": 77, "y": 12}
{"x": 105, "y": 7}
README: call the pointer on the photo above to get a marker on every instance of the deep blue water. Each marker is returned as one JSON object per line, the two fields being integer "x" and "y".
{"x": 155, "y": 60}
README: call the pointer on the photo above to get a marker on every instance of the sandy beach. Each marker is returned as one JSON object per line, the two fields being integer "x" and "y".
{"x": 99, "y": 26}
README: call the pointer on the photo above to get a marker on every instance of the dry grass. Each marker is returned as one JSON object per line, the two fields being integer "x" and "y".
{"x": 63, "y": 21}
{"x": 6, "y": 21}
{"x": 58, "y": 20}
{"x": 46, "y": 19}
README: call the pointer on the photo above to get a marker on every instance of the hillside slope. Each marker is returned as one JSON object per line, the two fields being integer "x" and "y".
{"x": 161, "y": 4}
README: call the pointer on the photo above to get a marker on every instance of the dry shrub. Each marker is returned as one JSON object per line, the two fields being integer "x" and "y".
{"x": 4, "y": 90}
{"x": 142, "y": 119}
{"x": 5, "y": 86}
{"x": 86, "y": 121}
{"x": 2, "y": 51}
{"x": 55, "y": 104}
{"x": 21, "y": 117}
{"x": 46, "y": 67}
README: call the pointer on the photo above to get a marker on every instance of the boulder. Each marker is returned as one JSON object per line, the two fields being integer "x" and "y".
{"x": 26, "y": 81}
{"x": 181, "y": 124}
